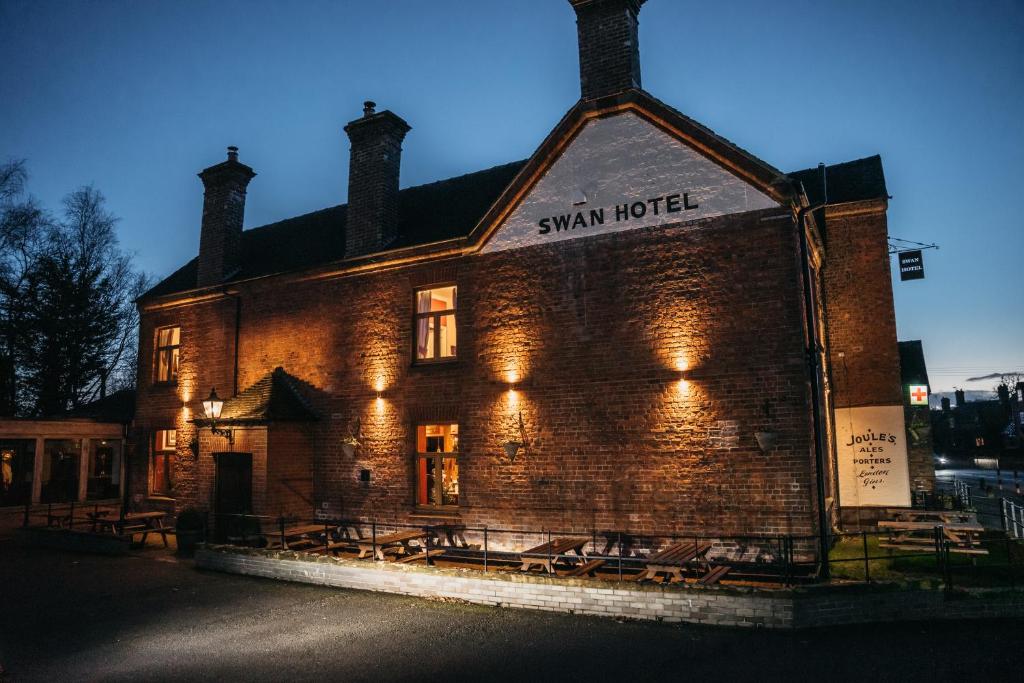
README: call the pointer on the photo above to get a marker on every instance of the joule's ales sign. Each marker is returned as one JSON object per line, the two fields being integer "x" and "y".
{"x": 871, "y": 447}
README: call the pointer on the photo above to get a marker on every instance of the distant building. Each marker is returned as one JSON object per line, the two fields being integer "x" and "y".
{"x": 916, "y": 389}
{"x": 980, "y": 428}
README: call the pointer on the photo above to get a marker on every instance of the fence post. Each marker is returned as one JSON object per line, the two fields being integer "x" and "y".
{"x": 485, "y": 547}
{"x": 948, "y": 570}
{"x": 280, "y": 527}
{"x": 327, "y": 539}
{"x": 619, "y": 533}
{"x": 867, "y": 563}
{"x": 550, "y": 568}
{"x": 373, "y": 538}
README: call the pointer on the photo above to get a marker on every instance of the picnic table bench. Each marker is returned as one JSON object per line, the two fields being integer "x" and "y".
{"x": 132, "y": 523}
{"x": 920, "y": 535}
{"x": 672, "y": 560}
{"x": 400, "y": 542}
{"x": 547, "y": 554}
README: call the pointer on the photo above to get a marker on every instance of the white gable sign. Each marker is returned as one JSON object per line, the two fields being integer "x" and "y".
{"x": 622, "y": 173}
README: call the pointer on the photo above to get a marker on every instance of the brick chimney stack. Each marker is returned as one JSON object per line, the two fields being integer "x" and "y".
{"x": 374, "y": 166}
{"x": 220, "y": 241}
{"x": 609, "y": 45}
{"x": 961, "y": 398}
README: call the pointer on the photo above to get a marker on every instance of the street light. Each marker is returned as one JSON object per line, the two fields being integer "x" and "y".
{"x": 212, "y": 408}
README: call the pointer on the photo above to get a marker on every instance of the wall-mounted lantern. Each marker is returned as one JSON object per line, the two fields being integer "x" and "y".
{"x": 212, "y": 408}
{"x": 767, "y": 438}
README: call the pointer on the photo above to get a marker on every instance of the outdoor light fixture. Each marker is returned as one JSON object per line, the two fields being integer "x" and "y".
{"x": 212, "y": 408}
{"x": 512, "y": 447}
{"x": 766, "y": 441}
{"x": 351, "y": 441}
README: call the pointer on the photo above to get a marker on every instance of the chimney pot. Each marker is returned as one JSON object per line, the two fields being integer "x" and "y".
{"x": 232, "y": 153}
{"x": 220, "y": 238}
{"x": 371, "y": 222}
{"x": 609, "y": 46}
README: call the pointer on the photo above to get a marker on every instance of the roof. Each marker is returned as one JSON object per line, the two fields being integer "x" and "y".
{"x": 912, "y": 366}
{"x": 850, "y": 181}
{"x": 117, "y": 407}
{"x": 274, "y": 398}
{"x": 452, "y": 208}
{"x": 426, "y": 213}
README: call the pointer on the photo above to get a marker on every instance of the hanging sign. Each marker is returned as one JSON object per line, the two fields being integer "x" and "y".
{"x": 911, "y": 265}
{"x": 871, "y": 447}
{"x": 918, "y": 394}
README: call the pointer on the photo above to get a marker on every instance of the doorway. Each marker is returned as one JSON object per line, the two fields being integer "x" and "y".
{"x": 233, "y": 497}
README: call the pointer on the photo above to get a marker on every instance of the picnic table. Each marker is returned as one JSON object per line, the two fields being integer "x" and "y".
{"x": 396, "y": 543}
{"x": 453, "y": 534}
{"x": 920, "y": 535}
{"x": 936, "y": 517}
{"x": 547, "y": 554}
{"x": 672, "y": 560}
{"x": 296, "y": 537}
{"x": 131, "y": 523}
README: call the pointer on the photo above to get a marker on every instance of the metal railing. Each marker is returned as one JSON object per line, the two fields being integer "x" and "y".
{"x": 1013, "y": 519}
{"x": 780, "y": 560}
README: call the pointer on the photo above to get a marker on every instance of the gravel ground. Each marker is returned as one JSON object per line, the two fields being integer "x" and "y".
{"x": 149, "y": 617}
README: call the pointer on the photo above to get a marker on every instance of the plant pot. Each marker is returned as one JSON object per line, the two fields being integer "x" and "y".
{"x": 512, "y": 448}
{"x": 766, "y": 440}
{"x": 349, "y": 449}
{"x": 187, "y": 541}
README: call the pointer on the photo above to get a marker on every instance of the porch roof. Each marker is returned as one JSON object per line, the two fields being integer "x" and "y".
{"x": 274, "y": 398}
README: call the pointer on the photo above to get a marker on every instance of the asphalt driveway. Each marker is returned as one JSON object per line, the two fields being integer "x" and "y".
{"x": 149, "y": 617}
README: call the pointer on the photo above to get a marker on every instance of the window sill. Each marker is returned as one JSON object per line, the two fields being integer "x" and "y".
{"x": 435, "y": 513}
{"x": 436, "y": 363}
{"x": 160, "y": 498}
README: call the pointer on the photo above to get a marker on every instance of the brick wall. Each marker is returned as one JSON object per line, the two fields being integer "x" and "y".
{"x": 595, "y": 329}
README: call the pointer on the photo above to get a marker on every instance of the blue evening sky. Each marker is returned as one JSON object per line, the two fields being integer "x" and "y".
{"x": 136, "y": 97}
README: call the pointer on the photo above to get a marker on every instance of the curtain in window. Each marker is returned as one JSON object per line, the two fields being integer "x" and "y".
{"x": 422, "y": 325}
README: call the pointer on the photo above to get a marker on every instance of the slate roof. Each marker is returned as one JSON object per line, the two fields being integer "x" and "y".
{"x": 912, "y": 366}
{"x": 452, "y": 208}
{"x": 274, "y": 398}
{"x": 851, "y": 181}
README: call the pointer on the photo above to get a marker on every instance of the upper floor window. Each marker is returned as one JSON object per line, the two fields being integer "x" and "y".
{"x": 436, "y": 337}
{"x": 168, "y": 340}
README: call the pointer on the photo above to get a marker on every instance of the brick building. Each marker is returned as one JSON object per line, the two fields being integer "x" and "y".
{"x": 636, "y": 328}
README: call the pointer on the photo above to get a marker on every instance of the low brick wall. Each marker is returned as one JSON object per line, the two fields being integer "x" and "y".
{"x": 718, "y": 605}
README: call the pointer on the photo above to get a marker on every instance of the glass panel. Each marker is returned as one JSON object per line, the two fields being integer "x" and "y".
{"x": 425, "y": 338}
{"x": 426, "y": 491}
{"x": 17, "y": 460}
{"x": 161, "y": 472}
{"x": 423, "y": 301}
{"x": 449, "y": 481}
{"x": 447, "y": 333}
{"x": 175, "y": 336}
{"x": 61, "y": 460}
{"x": 166, "y": 439}
{"x": 104, "y": 470}
{"x": 173, "y": 377}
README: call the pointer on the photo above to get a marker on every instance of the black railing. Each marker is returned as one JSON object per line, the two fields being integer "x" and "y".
{"x": 780, "y": 560}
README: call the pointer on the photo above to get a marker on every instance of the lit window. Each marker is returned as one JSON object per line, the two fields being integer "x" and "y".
{"x": 162, "y": 464}
{"x": 167, "y": 342}
{"x": 437, "y": 465}
{"x": 435, "y": 324}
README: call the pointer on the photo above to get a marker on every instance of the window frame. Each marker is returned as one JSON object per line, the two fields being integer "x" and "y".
{"x": 169, "y": 454}
{"x": 438, "y": 457}
{"x": 436, "y": 315}
{"x": 173, "y": 349}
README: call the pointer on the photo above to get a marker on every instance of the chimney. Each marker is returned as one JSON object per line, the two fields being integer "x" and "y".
{"x": 945, "y": 404}
{"x": 1004, "y": 395}
{"x": 374, "y": 165}
{"x": 220, "y": 241}
{"x": 609, "y": 46}
{"x": 960, "y": 398}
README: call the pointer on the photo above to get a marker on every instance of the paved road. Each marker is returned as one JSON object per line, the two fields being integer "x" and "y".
{"x": 77, "y": 617}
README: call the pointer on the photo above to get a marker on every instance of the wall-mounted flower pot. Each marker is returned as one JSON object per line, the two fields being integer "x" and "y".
{"x": 766, "y": 440}
{"x": 512, "y": 448}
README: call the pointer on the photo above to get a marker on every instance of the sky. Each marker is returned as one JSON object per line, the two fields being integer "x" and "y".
{"x": 137, "y": 97}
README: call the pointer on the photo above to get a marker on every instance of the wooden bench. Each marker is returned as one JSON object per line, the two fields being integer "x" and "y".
{"x": 585, "y": 569}
{"x": 673, "y": 559}
{"x": 714, "y": 575}
{"x": 409, "y": 559}
{"x": 547, "y": 554}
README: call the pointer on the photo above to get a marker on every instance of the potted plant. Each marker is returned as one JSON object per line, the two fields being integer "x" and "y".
{"x": 349, "y": 445}
{"x": 189, "y": 531}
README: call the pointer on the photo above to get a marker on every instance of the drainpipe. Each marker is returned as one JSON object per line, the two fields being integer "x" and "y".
{"x": 813, "y": 363}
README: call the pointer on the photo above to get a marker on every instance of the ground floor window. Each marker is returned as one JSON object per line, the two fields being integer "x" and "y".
{"x": 161, "y": 466}
{"x": 61, "y": 461}
{"x": 104, "y": 470}
{"x": 17, "y": 463}
{"x": 437, "y": 465}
